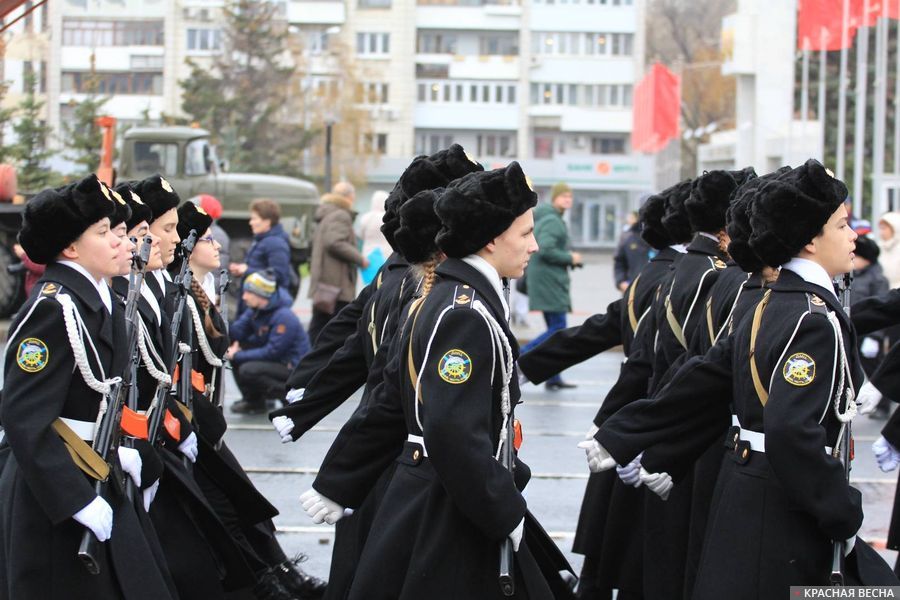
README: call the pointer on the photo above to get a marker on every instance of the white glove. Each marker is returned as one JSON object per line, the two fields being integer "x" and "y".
{"x": 848, "y": 546}
{"x": 591, "y": 432}
{"x": 98, "y": 517}
{"x": 630, "y": 474}
{"x": 295, "y": 395}
{"x": 515, "y": 536}
{"x": 189, "y": 447}
{"x": 320, "y": 508}
{"x": 598, "y": 458}
{"x": 868, "y": 398}
{"x": 869, "y": 347}
{"x": 887, "y": 456}
{"x": 284, "y": 426}
{"x": 150, "y": 494}
{"x": 658, "y": 483}
{"x": 130, "y": 460}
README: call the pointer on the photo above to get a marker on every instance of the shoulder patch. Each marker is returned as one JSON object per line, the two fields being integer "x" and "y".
{"x": 462, "y": 299}
{"x": 799, "y": 369}
{"x": 719, "y": 264}
{"x": 32, "y": 355}
{"x": 49, "y": 289}
{"x": 455, "y": 366}
{"x": 816, "y": 300}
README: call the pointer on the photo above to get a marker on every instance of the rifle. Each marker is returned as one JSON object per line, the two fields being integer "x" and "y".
{"x": 843, "y": 448}
{"x": 506, "y": 575}
{"x": 109, "y": 433}
{"x": 217, "y": 396}
{"x": 186, "y": 364}
{"x": 162, "y": 389}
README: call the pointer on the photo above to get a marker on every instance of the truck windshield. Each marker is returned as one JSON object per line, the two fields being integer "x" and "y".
{"x": 199, "y": 158}
{"x": 156, "y": 157}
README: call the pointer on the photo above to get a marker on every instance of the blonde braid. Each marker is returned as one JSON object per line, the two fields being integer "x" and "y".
{"x": 205, "y": 303}
{"x": 428, "y": 275}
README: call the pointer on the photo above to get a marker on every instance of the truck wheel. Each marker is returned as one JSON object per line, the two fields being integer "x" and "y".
{"x": 11, "y": 284}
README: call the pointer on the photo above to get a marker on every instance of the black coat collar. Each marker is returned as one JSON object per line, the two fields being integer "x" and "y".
{"x": 459, "y": 270}
{"x": 77, "y": 285}
{"x": 703, "y": 245}
{"x": 788, "y": 281}
{"x": 667, "y": 254}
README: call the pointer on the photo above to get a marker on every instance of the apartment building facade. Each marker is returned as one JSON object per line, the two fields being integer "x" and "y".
{"x": 545, "y": 82}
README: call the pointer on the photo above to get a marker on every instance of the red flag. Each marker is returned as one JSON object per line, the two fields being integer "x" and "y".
{"x": 866, "y": 16}
{"x": 656, "y": 110}
{"x": 819, "y": 23}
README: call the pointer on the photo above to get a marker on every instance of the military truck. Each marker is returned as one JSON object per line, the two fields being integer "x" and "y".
{"x": 185, "y": 157}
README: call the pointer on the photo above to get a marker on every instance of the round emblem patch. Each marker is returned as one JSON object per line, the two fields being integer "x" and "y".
{"x": 32, "y": 355}
{"x": 455, "y": 366}
{"x": 799, "y": 369}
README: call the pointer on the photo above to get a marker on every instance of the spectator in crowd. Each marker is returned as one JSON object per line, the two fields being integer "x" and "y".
{"x": 345, "y": 189}
{"x": 33, "y": 271}
{"x": 548, "y": 270}
{"x": 632, "y": 254}
{"x": 268, "y": 342}
{"x": 334, "y": 261}
{"x": 369, "y": 227}
{"x": 869, "y": 280}
{"x": 270, "y": 248}
{"x": 889, "y": 232}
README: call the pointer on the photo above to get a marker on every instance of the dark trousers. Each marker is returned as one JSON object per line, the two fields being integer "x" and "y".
{"x": 261, "y": 380}
{"x": 555, "y": 321}
{"x": 320, "y": 319}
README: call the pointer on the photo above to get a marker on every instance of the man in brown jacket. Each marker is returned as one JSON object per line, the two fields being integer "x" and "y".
{"x": 335, "y": 257}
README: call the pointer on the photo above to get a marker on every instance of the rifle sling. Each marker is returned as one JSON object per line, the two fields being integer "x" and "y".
{"x": 761, "y": 390}
{"x": 84, "y": 457}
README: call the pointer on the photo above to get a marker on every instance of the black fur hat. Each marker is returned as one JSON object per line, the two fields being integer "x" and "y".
{"x": 675, "y": 219}
{"x": 140, "y": 212}
{"x": 738, "y": 222}
{"x": 419, "y": 225}
{"x": 192, "y": 217}
{"x": 711, "y": 195}
{"x": 650, "y": 216}
{"x": 480, "y": 206}
{"x": 424, "y": 173}
{"x": 158, "y": 194}
{"x": 122, "y": 212}
{"x": 867, "y": 248}
{"x": 55, "y": 218}
{"x": 789, "y": 211}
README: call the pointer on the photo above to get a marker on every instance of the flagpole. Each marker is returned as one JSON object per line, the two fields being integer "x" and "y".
{"x": 897, "y": 99}
{"x": 842, "y": 93}
{"x": 880, "y": 123}
{"x": 820, "y": 113}
{"x": 804, "y": 93}
{"x": 859, "y": 128}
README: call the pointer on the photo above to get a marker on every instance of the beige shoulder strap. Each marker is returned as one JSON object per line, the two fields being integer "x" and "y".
{"x": 632, "y": 317}
{"x": 84, "y": 457}
{"x": 711, "y": 328}
{"x": 410, "y": 363}
{"x": 761, "y": 390}
{"x": 673, "y": 323}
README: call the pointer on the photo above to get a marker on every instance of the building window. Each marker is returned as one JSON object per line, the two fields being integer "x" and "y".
{"x": 375, "y": 143}
{"x": 372, "y": 93}
{"x": 94, "y": 33}
{"x": 496, "y": 144}
{"x": 110, "y": 83}
{"x": 455, "y": 91}
{"x": 155, "y": 157}
{"x": 204, "y": 39}
{"x": 600, "y": 95}
{"x": 373, "y": 44}
{"x": 582, "y": 44}
{"x": 429, "y": 143}
{"x": 436, "y": 43}
{"x": 607, "y": 145}
{"x": 543, "y": 146}
{"x": 502, "y": 44}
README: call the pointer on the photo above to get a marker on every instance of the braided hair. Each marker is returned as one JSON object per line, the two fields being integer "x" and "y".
{"x": 205, "y": 303}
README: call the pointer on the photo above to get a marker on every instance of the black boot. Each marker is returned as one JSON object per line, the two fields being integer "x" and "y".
{"x": 299, "y": 582}
{"x": 269, "y": 587}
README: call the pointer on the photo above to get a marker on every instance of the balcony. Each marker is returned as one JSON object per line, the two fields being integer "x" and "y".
{"x": 325, "y": 12}
{"x": 492, "y": 17}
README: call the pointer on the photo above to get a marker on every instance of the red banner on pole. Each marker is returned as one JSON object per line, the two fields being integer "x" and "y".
{"x": 656, "y": 110}
{"x": 819, "y": 23}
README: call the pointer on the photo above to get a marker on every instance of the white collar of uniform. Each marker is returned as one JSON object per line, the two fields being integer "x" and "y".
{"x": 708, "y": 235}
{"x": 490, "y": 273}
{"x": 165, "y": 275}
{"x": 209, "y": 286}
{"x": 100, "y": 286}
{"x": 152, "y": 301}
{"x": 680, "y": 248}
{"x": 160, "y": 278}
{"x": 811, "y": 272}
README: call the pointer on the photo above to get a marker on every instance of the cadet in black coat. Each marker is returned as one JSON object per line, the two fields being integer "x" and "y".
{"x": 60, "y": 361}
{"x": 781, "y": 496}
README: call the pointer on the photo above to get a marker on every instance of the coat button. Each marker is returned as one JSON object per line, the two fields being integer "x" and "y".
{"x": 737, "y": 436}
{"x": 745, "y": 454}
{"x": 415, "y": 455}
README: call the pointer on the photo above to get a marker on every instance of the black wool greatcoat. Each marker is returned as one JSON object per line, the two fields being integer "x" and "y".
{"x": 438, "y": 531}
{"x": 774, "y": 513}
{"x": 40, "y": 486}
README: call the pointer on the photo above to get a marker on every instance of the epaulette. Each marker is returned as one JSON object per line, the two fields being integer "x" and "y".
{"x": 816, "y": 304}
{"x": 50, "y": 290}
{"x": 463, "y": 296}
{"x": 718, "y": 264}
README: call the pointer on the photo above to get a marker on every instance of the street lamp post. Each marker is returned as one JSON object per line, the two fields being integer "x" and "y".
{"x": 329, "y": 123}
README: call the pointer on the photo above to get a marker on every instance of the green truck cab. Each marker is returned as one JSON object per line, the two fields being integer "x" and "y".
{"x": 187, "y": 159}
